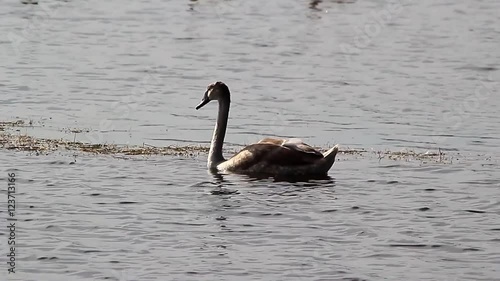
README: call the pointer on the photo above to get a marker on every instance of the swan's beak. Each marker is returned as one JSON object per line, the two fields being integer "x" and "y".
{"x": 204, "y": 101}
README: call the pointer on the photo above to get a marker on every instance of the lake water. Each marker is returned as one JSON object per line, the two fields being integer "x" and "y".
{"x": 367, "y": 74}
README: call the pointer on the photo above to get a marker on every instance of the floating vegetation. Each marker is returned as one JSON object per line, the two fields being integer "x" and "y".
{"x": 43, "y": 146}
{"x": 4, "y": 124}
{"x": 24, "y": 142}
{"x": 410, "y": 154}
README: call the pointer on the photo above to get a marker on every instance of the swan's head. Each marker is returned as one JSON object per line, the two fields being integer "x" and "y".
{"x": 215, "y": 91}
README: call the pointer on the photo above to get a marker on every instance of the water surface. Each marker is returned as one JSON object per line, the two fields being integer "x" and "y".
{"x": 366, "y": 74}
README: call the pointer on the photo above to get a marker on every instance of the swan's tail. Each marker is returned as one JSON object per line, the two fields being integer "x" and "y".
{"x": 329, "y": 158}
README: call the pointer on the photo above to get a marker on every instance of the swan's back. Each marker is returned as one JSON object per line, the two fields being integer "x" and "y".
{"x": 293, "y": 144}
{"x": 279, "y": 156}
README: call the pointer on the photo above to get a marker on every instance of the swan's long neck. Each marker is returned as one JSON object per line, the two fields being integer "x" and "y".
{"x": 215, "y": 154}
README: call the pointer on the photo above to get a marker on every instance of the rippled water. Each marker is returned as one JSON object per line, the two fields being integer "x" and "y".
{"x": 376, "y": 75}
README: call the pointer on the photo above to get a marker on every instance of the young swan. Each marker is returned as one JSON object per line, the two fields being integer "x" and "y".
{"x": 269, "y": 156}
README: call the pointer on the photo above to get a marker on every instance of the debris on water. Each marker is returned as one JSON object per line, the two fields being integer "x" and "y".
{"x": 16, "y": 123}
{"x": 223, "y": 191}
{"x": 24, "y": 142}
{"x": 42, "y": 145}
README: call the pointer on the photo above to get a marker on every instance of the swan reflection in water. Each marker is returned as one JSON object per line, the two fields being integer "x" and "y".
{"x": 224, "y": 186}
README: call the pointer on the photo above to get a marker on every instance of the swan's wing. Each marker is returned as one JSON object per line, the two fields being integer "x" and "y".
{"x": 272, "y": 154}
{"x": 292, "y": 154}
{"x": 293, "y": 144}
{"x": 275, "y": 141}
{"x": 298, "y": 145}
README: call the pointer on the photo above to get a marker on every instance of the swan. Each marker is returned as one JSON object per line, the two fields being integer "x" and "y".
{"x": 279, "y": 157}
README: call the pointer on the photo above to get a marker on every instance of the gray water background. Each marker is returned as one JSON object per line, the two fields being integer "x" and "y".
{"x": 372, "y": 74}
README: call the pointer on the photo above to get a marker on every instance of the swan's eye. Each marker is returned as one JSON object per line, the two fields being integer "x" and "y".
{"x": 210, "y": 93}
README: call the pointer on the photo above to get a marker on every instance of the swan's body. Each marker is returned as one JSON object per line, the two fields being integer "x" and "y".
{"x": 268, "y": 156}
